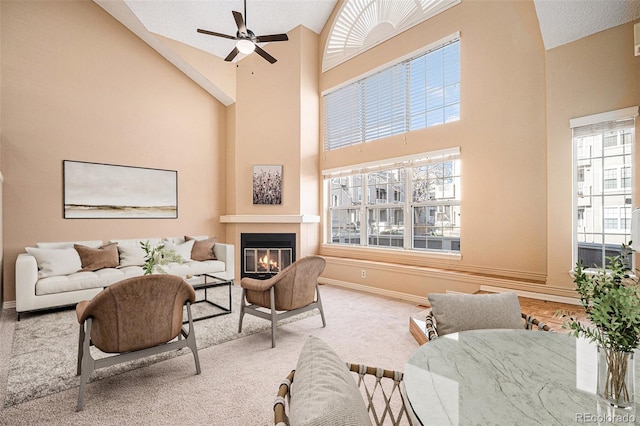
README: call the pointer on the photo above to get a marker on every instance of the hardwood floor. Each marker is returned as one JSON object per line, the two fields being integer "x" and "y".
{"x": 543, "y": 310}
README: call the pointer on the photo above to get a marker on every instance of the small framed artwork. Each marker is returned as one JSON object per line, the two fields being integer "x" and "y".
{"x": 109, "y": 191}
{"x": 267, "y": 184}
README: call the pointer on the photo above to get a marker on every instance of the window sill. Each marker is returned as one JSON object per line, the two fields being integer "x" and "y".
{"x": 594, "y": 271}
{"x": 392, "y": 252}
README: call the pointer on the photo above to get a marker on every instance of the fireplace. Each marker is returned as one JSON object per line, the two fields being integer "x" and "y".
{"x": 264, "y": 255}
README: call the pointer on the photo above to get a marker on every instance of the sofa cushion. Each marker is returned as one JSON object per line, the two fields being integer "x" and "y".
{"x": 183, "y": 250}
{"x": 195, "y": 268}
{"x": 69, "y": 244}
{"x": 459, "y": 312}
{"x": 131, "y": 255}
{"x": 59, "y": 261}
{"x": 202, "y": 249}
{"x": 324, "y": 391}
{"x": 97, "y": 258}
{"x": 80, "y": 281}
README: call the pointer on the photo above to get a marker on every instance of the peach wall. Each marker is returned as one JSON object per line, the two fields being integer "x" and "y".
{"x": 1, "y": 181}
{"x": 275, "y": 122}
{"x": 78, "y": 85}
{"x": 267, "y": 124}
{"x": 596, "y": 74}
{"x": 214, "y": 69}
{"x": 501, "y": 135}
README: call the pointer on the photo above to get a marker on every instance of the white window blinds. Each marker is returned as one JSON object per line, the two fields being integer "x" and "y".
{"x": 419, "y": 92}
{"x": 607, "y": 122}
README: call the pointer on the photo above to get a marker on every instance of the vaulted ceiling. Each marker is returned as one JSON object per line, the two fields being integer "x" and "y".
{"x": 561, "y": 22}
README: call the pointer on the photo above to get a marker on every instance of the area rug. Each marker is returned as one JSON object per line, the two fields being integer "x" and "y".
{"x": 45, "y": 346}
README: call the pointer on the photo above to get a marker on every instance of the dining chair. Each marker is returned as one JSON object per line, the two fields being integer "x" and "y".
{"x": 454, "y": 312}
{"x": 328, "y": 391}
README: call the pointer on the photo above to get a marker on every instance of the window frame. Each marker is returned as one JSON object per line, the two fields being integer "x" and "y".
{"x": 352, "y": 129}
{"x": 395, "y": 210}
{"x": 603, "y": 125}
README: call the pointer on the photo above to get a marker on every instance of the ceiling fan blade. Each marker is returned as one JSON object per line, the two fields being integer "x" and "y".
{"x": 232, "y": 54}
{"x": 265, "y": 55}
{"x": 215, "y": 34}
{"x": 273, "y": 37}
{"x": 242, "y": 28}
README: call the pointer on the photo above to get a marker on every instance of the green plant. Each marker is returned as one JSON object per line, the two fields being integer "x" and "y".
{"x": 611, "y": 299}
{"x": 156, "y": 257}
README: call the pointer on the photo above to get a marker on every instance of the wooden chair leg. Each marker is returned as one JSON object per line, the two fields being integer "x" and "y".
{"x": 191, "y": 339}
{"x": 242, "y": 305}
{"x": 274, "y": 319}
{"x": 80, "y": 350}
{"x": 324, "y": 323}
{"x": 87, "y": 364}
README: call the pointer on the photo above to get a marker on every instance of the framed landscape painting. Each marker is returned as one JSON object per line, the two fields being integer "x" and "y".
{"x": 95, "y": 190}
{"x": 267, "y": 184}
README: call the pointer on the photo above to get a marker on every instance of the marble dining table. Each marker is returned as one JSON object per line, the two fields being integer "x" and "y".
{"x": 508, "y": 377}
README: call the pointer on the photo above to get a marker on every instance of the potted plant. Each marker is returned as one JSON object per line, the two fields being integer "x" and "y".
{"x": 611, "y": 299}
{"x": 156, "y": 257}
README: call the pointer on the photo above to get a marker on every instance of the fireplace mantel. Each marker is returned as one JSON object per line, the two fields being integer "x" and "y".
{"x": 270, "y": 218}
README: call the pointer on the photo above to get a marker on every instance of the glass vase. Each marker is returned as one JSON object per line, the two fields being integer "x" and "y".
{"x": 616, "y": 380}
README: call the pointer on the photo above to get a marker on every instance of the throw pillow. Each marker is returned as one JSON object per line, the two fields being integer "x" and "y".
{"x": 97, "y": 258}
{"x": 53, "y": 262}
{"x": 183, "y": 250}
{"x": 459, "y": 312}
{"x": 131, "y": 255}
{"x": 202, "y": 249}
{"x": 324, "y": 391}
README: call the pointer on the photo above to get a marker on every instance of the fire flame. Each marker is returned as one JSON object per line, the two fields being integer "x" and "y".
{"x": 266, "y": 263}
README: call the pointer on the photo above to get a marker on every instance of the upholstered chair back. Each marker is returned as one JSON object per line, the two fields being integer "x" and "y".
{"x": 137, "y": 313}
{"x": 294, "y": 286}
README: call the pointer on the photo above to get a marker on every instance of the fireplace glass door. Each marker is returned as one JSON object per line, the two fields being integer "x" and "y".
{"x": 266, "y": 260}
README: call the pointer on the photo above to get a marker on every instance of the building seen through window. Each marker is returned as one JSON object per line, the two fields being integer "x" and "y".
{"x": 603, "y": 169}
{"x": 413, "y": 206}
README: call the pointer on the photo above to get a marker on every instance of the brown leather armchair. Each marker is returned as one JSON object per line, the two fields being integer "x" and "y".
{"x": 294, "y": 290}
{"x": 134, "y": 318}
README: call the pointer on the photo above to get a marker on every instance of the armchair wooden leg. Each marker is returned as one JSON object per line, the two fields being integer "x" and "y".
{"x": 324, "y": 323}
{"x": 191, "y": 339}
{"x": 242, "y": 305}
{"x": 87, "y": 364}
{"x": 274, "y": 319}
{"x": 80, "y": 350}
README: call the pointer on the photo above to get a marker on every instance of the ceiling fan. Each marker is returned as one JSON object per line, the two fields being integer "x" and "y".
{"x": 246, "y": 40}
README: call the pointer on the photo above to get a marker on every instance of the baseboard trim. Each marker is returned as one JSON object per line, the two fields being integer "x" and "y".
{"x": 11, "y": 304}
{"x": 532, "y": 295}
{"x": 419, "y": 300}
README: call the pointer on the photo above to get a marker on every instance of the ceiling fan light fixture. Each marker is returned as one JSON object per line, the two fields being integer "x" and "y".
{"x": 245, "y": 46}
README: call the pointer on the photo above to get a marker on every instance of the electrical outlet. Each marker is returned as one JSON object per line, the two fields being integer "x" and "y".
{"x": 363, "y": 273}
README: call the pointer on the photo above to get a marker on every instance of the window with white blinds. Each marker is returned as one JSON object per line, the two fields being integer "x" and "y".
{"x": 419, "y": 92}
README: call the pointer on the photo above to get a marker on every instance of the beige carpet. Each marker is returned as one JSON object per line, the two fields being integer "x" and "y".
{"x": 239, "y": 378}
{"x": 45, "y": 345}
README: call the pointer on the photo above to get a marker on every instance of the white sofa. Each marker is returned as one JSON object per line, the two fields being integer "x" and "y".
{"x": 35, "y": 292}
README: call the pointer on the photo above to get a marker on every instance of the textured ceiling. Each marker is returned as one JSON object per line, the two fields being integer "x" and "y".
{"x": 179, "y": 19}
{"x": 561, "y": 21}
{"x": 564, "y": 21}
